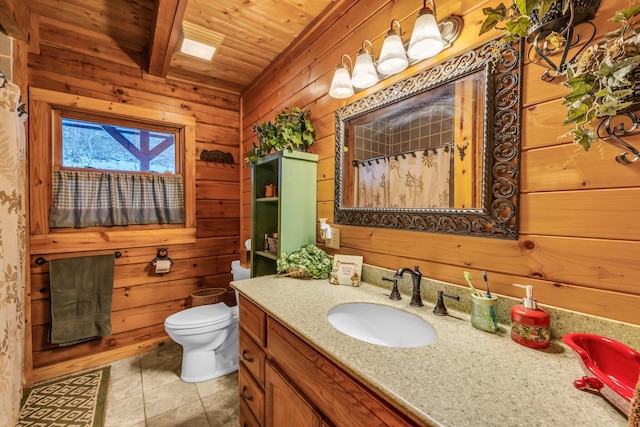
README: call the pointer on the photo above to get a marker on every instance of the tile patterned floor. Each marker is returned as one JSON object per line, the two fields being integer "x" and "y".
{"x": 146, "y": 391}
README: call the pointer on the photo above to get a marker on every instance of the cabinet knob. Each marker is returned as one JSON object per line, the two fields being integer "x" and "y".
{"x": 246, "y": 355}
{"x": 246, "y": 396}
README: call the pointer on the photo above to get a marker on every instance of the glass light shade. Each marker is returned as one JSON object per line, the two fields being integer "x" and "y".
{"x": 364, "y": 72}
{"x": 426, "y": 40}
{"x": 393, "y": 58}
{"x": 341, "y": 84}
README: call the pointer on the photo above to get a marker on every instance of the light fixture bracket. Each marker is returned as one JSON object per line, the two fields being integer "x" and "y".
{"x": 450, "y": 29}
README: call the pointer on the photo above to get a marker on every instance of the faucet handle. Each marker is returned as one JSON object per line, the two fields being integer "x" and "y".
{"x": 395, "y": 294}
{"x": 440, "y": 308}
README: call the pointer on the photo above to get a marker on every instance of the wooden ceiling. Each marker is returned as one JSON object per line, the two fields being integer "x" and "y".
{"x": 147, "y": 31}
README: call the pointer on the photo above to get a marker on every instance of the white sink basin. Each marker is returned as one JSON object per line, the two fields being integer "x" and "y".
{"x": 381, "y": 324}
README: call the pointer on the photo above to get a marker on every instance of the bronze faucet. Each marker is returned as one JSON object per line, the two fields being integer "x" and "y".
{"x": 416, "y": 277}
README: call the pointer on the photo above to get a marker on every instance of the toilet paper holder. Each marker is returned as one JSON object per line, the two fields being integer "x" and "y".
{"x": 162, "y": 254}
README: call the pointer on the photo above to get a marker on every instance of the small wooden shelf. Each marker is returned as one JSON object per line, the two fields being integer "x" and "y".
{"x": 267, "y": 199}
{"x": 267, "y": 255}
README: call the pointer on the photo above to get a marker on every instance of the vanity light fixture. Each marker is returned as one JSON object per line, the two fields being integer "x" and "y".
{"x": 364, "y": 72}
{"x": 341, "y": 84}
{"x": 393, "y": 57}
{"x": 428, "y": 38}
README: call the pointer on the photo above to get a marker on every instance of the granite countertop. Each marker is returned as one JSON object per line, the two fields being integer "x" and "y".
{"x": 466, "y": 378}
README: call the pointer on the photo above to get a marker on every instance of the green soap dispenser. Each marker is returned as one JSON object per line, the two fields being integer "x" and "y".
{"x": 530, "y": 325}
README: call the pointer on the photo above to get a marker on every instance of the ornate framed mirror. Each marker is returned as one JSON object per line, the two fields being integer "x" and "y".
{"x": 436, "y": 152}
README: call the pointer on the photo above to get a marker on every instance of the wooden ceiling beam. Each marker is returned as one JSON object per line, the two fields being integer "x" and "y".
{"x": 14, "y": 18}
{"x": 164, "y": 36}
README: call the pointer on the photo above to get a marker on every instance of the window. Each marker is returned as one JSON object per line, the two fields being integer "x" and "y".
{"x": 91, "y": 143}
{"x": 109, "y": 171}
{"x": 45, "y": 160}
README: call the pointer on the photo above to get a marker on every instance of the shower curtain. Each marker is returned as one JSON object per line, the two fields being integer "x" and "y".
{"x": 418, "y": 180}
{"x": 12, "y": 252}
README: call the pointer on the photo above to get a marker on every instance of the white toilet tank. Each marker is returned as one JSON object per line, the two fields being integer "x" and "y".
{"x": 239, "y": 272}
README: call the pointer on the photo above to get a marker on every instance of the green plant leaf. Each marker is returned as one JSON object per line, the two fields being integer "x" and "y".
{"x": 523, "y": 6}
{"x": 555, "y": 40}
{"x": 626, "y": 14}
{"x": 543, "y": 7}
{"x": 622, "y": 69}
{"x": 519, "y": 26}
{"x": 579, "y": 87}
{"x": 584, "y": 137}
{"x": 576, "y": 113}
{"x": 493, "y": 16}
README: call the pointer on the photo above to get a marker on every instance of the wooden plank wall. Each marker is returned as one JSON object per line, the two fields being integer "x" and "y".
{"x": 579, "y": 229}
{"x": 75, "y": 61}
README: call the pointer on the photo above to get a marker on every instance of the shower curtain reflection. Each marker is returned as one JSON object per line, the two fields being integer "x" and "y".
{"x": 418, "y": 179}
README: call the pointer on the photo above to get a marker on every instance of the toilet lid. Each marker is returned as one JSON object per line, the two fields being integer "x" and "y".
{"x": 204, "y": 315}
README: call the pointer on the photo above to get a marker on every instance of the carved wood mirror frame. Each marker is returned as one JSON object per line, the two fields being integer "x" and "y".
{"x": 498, "y": 215}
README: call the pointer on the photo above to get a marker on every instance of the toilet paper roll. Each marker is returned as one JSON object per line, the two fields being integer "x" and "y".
{"x": 163, "y": 266}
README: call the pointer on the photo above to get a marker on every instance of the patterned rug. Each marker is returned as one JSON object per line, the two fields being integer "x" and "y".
{"x": 78, "y": 400}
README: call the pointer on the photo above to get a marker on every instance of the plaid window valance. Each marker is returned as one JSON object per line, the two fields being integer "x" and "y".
{"x": 89, "y": 199}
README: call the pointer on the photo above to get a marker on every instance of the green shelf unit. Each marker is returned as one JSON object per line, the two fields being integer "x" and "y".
{"x": 291, "y": 213}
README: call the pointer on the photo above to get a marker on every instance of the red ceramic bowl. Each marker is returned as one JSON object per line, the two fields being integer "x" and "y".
{"x": 611, "y": 367}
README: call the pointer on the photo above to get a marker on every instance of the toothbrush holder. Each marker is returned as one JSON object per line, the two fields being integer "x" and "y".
{"x": 483, "y": 313}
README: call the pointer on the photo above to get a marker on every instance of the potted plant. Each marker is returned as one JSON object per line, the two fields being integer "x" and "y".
{"x": 602, "y": 79}
{"x": 291, "y": 130}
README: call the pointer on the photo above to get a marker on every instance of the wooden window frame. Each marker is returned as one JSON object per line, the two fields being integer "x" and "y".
{"x": 67, "y": 113}
{"x": 43, "y": 128}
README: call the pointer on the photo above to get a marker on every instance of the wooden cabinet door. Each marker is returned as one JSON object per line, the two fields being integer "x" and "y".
{"x": 285, "y": 405}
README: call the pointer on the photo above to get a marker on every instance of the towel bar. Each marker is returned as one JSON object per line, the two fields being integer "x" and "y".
{"x": 40, "y": 260}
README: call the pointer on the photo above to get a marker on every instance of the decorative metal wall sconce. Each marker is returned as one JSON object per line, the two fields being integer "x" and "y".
{"x": 556, "y": 23}
{"x": 427, "y": 40}
{"x": 613, "y": 129}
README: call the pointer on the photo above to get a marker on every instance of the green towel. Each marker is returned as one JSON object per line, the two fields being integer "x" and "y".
{"x": 81, "y": 292}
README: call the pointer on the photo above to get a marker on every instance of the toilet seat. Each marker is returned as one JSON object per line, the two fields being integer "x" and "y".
{"x": 201, "y": 316}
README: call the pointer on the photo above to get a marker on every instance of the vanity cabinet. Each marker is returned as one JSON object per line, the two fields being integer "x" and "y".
{"x": 290, "y": 212}
{"x": 251, "y": 367}
{"x": 301, "y": 386}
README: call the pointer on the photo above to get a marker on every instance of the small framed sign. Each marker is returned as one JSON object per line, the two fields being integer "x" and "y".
{"x": 347, "y": 270}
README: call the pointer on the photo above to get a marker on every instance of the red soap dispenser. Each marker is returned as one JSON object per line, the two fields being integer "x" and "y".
{"x": 530, "y": 325}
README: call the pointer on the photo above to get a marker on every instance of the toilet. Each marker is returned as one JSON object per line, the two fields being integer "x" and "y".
{"x": 208, "y": 335}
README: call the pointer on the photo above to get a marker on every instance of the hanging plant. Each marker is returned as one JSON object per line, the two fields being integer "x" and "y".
{"x": 548, "y": 25}
{"x": 291, "y": 130}
{"x": 526, "y": 18}
{"x": 602, "y": 78}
